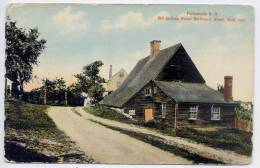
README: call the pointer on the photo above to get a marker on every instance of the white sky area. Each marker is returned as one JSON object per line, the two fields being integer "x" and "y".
{"x": 119, "y": 35}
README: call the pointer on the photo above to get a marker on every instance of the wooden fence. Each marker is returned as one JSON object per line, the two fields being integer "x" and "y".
{"x": 245, "y": 125}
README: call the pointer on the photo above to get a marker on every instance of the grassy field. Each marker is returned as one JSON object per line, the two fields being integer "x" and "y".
{"x": 229, "y": 139}
{"x": 30, "y": 125}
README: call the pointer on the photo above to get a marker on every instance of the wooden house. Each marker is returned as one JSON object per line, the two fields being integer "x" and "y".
{"x": 166, "y": 86}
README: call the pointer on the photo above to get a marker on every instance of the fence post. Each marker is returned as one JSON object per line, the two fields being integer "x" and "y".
{"x": 66, "y": 98}
{"x": 45, "y": 95}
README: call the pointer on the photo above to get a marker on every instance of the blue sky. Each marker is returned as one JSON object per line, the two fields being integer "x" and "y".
{"x": 119, "y": 35}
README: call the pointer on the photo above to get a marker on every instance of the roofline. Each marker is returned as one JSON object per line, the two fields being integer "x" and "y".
{"x": 177, "y": 48}
{"x": 218, "y": 103}
{"x": 202, "y": 102}
{"x": 193, "y": 64}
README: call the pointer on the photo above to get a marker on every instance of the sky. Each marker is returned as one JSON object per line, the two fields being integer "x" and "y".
{"x": 119, "y": 35}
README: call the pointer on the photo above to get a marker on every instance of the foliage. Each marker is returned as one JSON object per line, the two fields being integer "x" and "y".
{"x": 229, "y": 139}
{"x": 55, "y": 92}
{"x": 74, "y": 95}
{"x": 90, "y": 82}
{"x": 243, "y": 113}
{"x": 221, "y": 89}
{"x": 23, "y": 48}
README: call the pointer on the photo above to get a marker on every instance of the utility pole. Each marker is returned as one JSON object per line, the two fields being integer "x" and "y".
{"x": 175, "y": 115}
{"x": 6, "y": 94}
{"x": 45, "y": 93}
{"x": 66, "y": 98}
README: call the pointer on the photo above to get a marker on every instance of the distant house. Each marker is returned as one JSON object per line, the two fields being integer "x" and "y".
{"x": 166, "y": 86}
{"x": 116, "y": 80}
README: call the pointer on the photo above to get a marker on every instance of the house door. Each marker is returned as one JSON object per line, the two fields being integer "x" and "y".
{"x": 148, "y": 114}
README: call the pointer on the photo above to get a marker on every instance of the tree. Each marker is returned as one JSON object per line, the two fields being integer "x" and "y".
{"x": 55, "y": 90}
{"x": 90, "y": 81}
{"x": 23, "y": 48}
{"x": 221, "y": 89}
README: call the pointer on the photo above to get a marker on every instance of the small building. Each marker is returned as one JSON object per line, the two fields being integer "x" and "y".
{"x": 166, "y": 86}
{"x": 116, "y": 80}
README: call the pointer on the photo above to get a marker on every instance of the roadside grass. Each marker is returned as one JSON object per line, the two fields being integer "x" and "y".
{"x": 108, "y": 114}
{"x": 29, "y": 124}
{"x": 225, "y": 138}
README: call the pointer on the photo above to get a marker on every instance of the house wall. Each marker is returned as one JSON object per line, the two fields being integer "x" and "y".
{"x": 116, "y": 81}
{"x": 139, "y": 103}
{"x": 227, "y": 115}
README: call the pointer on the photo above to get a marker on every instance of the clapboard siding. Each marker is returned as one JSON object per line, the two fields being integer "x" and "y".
{"x": 139, "y": 103}
{"x": 227, "y": 115}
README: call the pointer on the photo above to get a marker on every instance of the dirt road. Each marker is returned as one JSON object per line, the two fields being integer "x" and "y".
{"x": 106, "y": 145}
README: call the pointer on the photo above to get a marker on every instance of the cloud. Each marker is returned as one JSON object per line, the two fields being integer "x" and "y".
{"x": 106, "y": 25}
{"x": 70, "y": 21}
{"x": 13, "y": 6}
{"x": 132, "y": 19}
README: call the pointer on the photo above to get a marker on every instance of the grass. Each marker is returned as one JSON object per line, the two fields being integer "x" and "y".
{"x": 225, "y": 138}
{"x": 22, "y": 116}
{"x": 108, "y": 114}
{"x": 30, "y": 124}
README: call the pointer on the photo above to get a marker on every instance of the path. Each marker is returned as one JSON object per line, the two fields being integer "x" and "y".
{"x": 106, "y": 145}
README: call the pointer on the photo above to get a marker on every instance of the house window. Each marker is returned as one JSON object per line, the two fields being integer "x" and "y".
{"x": 163, "y": 110}
{"x": 215, "y": 113}
{"x": 193, "y": 112}
{"x": 131, "y": 112}
{"x": 121, "y": 74}
{"x": 148, "y": 91}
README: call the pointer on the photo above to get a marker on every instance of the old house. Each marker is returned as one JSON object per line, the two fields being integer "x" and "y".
{"x": 116, "y": 80}
{"x": 166, "y": 86}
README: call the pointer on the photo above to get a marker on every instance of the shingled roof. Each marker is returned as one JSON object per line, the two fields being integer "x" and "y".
{"x": 190, "y": 92}
{"x": 145, "y": 70}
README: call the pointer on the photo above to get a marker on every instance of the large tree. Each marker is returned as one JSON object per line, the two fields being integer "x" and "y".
{"x": 90, "y": 81}
{"x": 23, "y": 48}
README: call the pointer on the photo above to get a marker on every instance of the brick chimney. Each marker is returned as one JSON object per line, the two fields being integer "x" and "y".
{"x": 155, "y": 47}
{"x": 228, "y": 80}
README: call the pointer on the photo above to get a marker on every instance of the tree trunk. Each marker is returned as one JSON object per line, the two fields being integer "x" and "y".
{"x": 21, "y": 82}
{"x": 21, "y": 87}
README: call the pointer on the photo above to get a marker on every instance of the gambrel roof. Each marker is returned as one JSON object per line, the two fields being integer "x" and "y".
{"x": 146, "y": 70}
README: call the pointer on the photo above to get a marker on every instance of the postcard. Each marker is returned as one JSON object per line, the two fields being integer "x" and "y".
{"x": 129, "y": 84}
